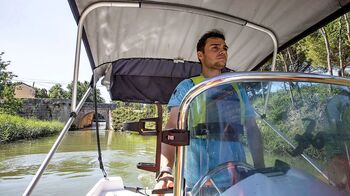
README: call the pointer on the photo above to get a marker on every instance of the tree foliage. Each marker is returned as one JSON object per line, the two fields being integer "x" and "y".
{"x": 82, "y": 87}
{"x": 41, "y": 93}
{"x": 326, "y": 49}
{"x": 339, "y": 50}
{"x": 58, "y": 92}
{"x": 133, "y": 112}
{"x": 294, "y": 59}
{"x": 9, "y": 104}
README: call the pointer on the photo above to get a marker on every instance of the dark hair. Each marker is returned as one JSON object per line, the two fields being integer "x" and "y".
{"x": 210, "y": 34}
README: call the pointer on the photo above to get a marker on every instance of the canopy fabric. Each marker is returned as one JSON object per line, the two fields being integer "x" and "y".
{"x": 148, "y": 80}
{"x": 114, "y": 33}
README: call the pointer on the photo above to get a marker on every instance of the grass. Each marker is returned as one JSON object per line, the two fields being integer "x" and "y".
{"x": 14, "y": 128}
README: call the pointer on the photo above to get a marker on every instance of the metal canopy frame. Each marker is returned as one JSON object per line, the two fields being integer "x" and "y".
{"x": 173, "y": 7}
{"x": 162, "y": 6}
{"x": 147, "y": 5}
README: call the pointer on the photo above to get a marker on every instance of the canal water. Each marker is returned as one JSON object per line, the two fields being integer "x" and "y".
{"x": 74, "y": 169}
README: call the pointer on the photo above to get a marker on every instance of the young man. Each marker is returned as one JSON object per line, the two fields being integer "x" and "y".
{"x": 212, "y": 53}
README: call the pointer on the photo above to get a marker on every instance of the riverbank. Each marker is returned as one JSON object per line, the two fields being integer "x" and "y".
{"x": 14, "y": 128}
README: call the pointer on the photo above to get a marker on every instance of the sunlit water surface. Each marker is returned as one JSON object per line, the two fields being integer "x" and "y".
{"x": 74, "y": 169}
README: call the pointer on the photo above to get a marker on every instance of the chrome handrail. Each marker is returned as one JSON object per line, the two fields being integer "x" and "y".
{"x": 239, "y": 77}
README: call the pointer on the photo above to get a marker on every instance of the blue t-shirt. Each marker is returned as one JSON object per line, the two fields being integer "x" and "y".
{"x": 179, "y": 93}
{"x": 184, "y": 86}
{"x": 204, "y": 154}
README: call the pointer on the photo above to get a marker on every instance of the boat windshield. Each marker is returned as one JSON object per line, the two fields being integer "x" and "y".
{"x": 274, "y": 128}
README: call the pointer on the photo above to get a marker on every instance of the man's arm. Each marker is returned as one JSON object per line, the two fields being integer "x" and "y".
{"x": 167, "y": 154}
{"x": 255, "y": 142}
{"x": 168, "y": 151}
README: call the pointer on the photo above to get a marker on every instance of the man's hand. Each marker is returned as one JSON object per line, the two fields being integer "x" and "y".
{"x": 166, "y": 181}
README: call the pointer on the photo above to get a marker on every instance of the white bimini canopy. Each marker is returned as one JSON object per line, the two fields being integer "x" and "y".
{"x": 170, "y": 29}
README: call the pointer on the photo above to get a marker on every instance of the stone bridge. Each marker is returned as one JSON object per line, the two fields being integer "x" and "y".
{"x": 59, "y": 109}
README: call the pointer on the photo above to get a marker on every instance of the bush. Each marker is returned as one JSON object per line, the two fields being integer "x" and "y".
{"x": 132, "y": 112}
{"x": 15, "y": 128}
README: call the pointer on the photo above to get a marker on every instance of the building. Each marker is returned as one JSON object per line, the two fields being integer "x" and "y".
{"x": 23, "y": 90}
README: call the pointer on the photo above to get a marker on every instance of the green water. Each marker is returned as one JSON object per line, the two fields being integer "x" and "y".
{"x": 74, "y": 168}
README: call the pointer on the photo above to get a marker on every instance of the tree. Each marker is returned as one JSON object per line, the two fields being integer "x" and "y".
{"x": 81, "y": 89}
{"x": 293, "y": 58}
{"x": 57, "y": 92}
{"x": 344, "y": 44}
{"x": 133, "y": 112}
{"x": 41, "y": 93}
{"x": 329, "y": 47}
{"x": 9, "y": 104}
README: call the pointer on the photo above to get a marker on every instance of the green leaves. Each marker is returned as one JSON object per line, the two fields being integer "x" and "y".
{"x": 58, "y": 92}
{"x": 81, "y": 89}
{"x": 310, "y": 53}
{"x": 133, "y": 112}
{"x": 9, "y": 104}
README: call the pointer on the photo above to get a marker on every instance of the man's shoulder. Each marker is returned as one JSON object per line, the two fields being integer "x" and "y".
{"x": 186, "y": 83}
{"x": 180, "y": 91}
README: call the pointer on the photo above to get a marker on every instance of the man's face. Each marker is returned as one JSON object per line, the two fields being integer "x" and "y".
{"x": 214, "y": 55}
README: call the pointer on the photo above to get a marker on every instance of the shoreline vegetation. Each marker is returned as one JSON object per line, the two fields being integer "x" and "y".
{"x": 13, "y": 128}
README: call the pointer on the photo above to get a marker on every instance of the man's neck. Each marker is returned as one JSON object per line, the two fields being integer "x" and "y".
{"x": 210, "y": 73}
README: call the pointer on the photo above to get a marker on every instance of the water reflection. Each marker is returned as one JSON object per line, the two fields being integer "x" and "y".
{"x": 74, "y": 168}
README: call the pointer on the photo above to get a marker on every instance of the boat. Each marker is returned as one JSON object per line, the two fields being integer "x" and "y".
{"x": 142, "y": 49}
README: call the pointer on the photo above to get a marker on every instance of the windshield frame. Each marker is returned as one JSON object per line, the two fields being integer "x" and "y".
{"x": 236, "y": 77}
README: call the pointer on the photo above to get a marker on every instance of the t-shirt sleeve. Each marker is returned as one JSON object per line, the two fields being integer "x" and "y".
{"x": 179, "y": 93}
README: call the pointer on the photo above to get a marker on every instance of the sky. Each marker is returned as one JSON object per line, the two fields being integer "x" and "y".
{"x": 38, "y": 37}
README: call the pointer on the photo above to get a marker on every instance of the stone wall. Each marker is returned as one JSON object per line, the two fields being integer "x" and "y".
{"x": 46, "y": 109}
{"x": 59, "y": 109}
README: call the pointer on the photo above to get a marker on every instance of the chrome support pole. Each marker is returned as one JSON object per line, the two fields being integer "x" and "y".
{"x": 274, "y": 56}
{"x": 54, "y": 147}
{"x": 180, "y": 156}
{"x": 180, "y": 153}
{"x": 274, "y": 41}
{"x": 79, "y": 35}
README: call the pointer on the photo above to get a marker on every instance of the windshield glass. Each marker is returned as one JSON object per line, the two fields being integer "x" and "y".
{"x": 269, "y": 130}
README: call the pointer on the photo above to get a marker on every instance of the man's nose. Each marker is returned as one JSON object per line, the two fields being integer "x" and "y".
{"x": 222, "y": 52}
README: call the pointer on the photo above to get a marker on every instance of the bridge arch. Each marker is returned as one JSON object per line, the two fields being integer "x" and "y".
{"x": 88, "y": 118}
{"x": 85, "y": 117}
{"x": 60, "y": 109}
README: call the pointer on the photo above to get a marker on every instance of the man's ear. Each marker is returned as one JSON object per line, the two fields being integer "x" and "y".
{"x": 200, "y": 55}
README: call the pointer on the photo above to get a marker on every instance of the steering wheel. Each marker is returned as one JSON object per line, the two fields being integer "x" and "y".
{"x": 236, "y": 170}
